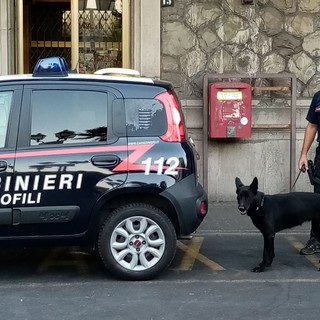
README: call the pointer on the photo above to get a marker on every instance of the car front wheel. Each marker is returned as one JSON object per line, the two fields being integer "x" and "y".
{"x": 136, "y": 242}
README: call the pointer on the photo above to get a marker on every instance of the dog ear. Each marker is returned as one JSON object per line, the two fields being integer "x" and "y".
{"x": 239, "y": 184}
{"x": 254, "y": 185}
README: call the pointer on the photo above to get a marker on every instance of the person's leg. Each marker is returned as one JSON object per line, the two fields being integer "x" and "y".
{"x": 313, "y": 244}
{"x": 315, "y": 228}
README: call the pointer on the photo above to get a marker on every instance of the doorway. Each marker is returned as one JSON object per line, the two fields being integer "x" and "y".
{"x": 47, "y": 26}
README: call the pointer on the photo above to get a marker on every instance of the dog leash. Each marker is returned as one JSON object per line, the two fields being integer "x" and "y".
{"x": 301, "y": 170}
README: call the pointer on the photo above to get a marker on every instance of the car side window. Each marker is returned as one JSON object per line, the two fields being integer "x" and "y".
{"x": 145, "y": 117}
{"x": 5, "y": 106}
{"x": 68, "y": 116}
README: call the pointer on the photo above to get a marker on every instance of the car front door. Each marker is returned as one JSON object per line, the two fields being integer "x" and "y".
{"x": 66, "y": 155}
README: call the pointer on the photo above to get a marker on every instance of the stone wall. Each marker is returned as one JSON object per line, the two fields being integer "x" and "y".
{"x": 222, "y": 36}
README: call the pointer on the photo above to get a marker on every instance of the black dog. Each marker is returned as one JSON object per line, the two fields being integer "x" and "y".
{"x": 273, "y": 213}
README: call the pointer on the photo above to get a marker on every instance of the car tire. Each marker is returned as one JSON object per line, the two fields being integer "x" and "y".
{"x": 136, "y": 242}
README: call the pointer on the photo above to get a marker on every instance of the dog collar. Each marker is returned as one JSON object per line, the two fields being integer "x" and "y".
{"x": 260, "y": 200}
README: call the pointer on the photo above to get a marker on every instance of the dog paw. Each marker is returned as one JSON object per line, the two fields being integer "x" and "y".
{"x": 258, "y": 269}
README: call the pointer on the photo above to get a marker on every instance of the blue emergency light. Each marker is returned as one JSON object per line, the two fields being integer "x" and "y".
{"x": 53, "y": 67}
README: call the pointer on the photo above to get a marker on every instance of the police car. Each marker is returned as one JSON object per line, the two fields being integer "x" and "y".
{"x": 99, "y": 159}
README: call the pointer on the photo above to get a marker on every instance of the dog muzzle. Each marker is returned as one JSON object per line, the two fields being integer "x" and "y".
{"x": 242, "y": 210}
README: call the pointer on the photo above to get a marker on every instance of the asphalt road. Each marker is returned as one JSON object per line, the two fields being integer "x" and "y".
{"x": 210, "y": 278}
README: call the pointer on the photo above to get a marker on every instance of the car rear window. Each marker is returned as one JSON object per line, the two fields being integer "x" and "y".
{"x": 145, "y": 117}
{"x": 68, "y": 116}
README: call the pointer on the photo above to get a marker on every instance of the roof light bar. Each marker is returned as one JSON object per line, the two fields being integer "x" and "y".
{"x": 51, "y": 67}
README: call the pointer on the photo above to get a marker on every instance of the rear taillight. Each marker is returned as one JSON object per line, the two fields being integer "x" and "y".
{"x": 203, "y": 208}
{"x": 176, "y": 131}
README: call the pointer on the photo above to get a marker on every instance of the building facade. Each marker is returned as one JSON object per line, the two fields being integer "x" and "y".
{"x": 184, "y": 41}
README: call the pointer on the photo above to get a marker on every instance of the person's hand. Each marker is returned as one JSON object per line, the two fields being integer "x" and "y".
{"x": 303, "y": 163}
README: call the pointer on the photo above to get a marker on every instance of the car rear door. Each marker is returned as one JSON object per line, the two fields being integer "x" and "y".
{"x": 10, "y": 102}
{"x": 67, "y": 151}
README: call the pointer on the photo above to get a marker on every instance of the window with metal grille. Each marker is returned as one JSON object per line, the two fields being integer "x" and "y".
{"x": 100, "y": 34}
{"x": 50, "y": 26}
{"x": 100, "y": 40}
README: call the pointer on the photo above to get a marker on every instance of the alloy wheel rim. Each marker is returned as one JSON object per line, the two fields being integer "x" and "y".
{"x": 137, "y": 243}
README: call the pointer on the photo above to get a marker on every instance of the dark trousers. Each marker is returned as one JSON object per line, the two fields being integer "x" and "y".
{"x": 315, "y": 228}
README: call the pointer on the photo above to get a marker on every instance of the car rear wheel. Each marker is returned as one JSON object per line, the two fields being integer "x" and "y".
{"x": 136, "y": 242}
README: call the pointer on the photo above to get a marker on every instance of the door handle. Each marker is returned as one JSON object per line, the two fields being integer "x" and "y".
{"x": 3, "y": 165}
{"x": 105, "y": 160}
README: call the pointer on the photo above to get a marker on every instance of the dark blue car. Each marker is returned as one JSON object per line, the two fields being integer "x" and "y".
{"x": 98, "y": 159}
